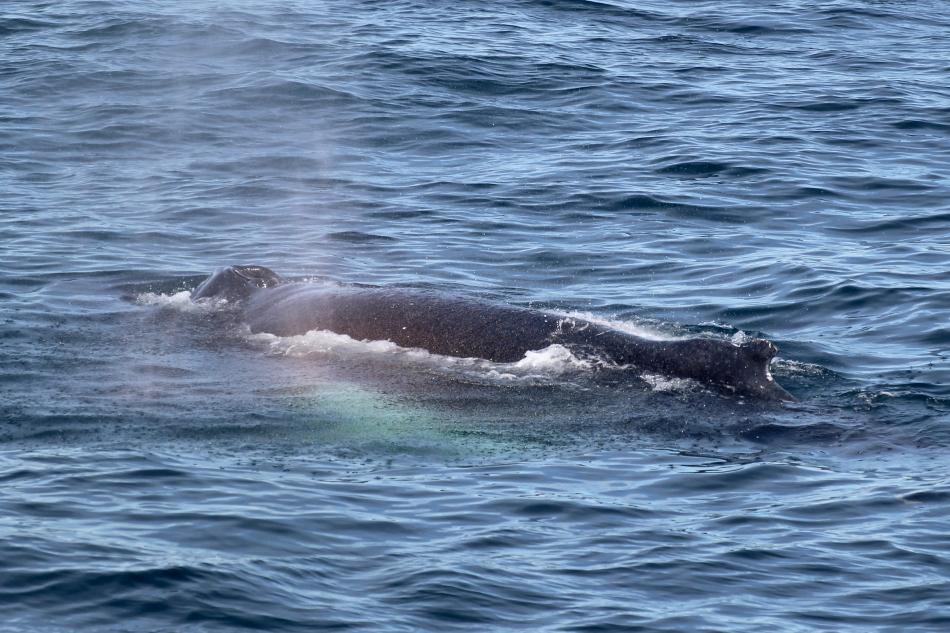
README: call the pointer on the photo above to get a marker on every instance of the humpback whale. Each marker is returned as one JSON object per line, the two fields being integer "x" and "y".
{"x": 467, "y": 328}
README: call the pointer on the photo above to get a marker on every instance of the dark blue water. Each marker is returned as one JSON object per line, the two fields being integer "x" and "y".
{"x": 721, "y": 169}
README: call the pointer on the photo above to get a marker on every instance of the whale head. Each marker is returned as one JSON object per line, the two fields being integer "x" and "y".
{"x": 236, "y": 283}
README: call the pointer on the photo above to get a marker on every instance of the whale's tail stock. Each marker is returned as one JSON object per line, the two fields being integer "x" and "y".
{"x": 235, "y": 283}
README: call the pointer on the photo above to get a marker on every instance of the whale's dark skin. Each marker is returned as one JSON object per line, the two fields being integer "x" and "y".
{"x": 455, "y": 326}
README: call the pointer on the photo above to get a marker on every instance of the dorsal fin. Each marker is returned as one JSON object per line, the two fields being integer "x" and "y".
{"x": 759, "y": 382}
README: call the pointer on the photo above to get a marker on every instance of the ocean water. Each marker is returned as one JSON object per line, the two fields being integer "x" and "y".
{"x": 717, "y": 168}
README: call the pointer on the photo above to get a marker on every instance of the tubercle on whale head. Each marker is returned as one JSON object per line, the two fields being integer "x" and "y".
{"x": 236, "y": 283}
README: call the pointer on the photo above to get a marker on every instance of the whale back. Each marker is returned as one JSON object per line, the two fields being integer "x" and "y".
{"x": 467, "y": 328}
{"x": 236, "y": 283}
{"x": 413, "y": 318}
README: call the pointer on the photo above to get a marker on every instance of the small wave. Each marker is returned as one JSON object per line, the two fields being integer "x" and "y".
{"x": 18, "y": 24}
{"x": 920, "y": 124}
{"x": 774, "y": 432}
{"x": 702, "y": 168}
{"x": 903, "y": 223}
{"x": 797, "y": 368}
{"x": 358, "y": 237}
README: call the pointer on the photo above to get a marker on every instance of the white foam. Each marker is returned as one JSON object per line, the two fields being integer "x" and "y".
{"x": 659, "y": 382}
{"x": 326, "y": 342}
{"x": 542, "y": 364}
{"x": 180, "y": 301}
{"x": 629, "y": 327}
{"x": 740, "y": 338}
{"x": 553, "y": 358}
{"x": 549, "y": 365}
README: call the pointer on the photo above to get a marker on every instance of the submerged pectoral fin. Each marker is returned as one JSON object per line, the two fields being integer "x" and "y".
{"x": 774, "y": 391}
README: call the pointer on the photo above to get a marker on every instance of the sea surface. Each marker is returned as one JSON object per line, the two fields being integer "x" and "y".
{"x": 712, "y": 168}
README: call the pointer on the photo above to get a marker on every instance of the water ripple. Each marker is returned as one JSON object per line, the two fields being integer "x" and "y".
{"x": 692, "y": 168}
